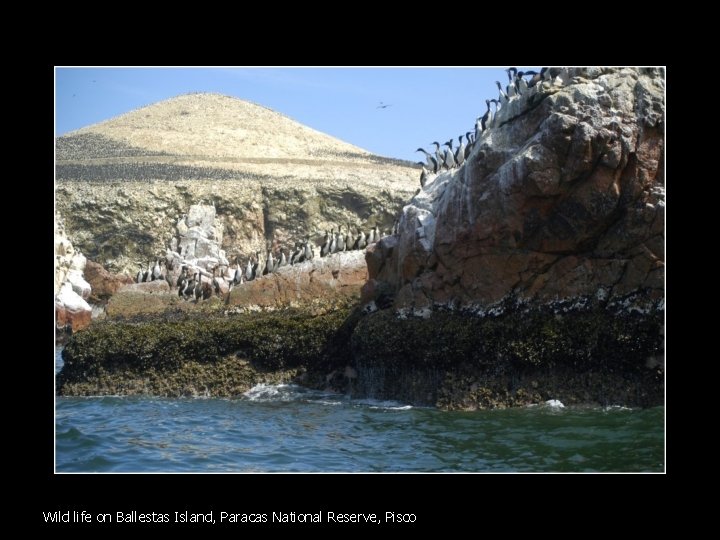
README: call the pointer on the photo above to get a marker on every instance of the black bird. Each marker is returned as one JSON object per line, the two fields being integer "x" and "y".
{"x": 503, "y": 95}
{"x": 469, "y": 146}
{"x": 511, "y": 89}
{"x": 423, "y": 174}
{"x": 486, "y": 117}
{"x": 536, "y": 77}
{"x": 383, "y": 105}
{"x": 427, "y": 154}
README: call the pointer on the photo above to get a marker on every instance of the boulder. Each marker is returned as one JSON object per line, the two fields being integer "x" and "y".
{"x": 103, "y": 283}
{"x": 320, "y": 282}
{"x": 71, "y": 310}
{"x": 78, "y": 283}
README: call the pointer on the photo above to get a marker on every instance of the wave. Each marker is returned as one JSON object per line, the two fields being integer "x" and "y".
{"x": 277, "y": 392}
{"x": 264, "y": 392}
{"x": 382, "y": 404}
{"x": 554, "y": 404}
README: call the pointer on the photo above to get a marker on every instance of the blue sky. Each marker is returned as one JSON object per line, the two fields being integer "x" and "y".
{"x": 426, "y": 104}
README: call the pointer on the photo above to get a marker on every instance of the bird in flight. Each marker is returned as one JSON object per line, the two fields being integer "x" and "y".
{"x": 383, "y": 105}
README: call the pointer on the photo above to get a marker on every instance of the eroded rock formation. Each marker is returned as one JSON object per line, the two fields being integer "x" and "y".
{"x": 562, "y": 198}
{"x": 72, "y": 311}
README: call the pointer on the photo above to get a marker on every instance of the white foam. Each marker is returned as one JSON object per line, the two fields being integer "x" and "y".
{"x": 555, "y": 404}
{"x": 264, "y": 392}
{"x": 382, "y": 404}
{"x": 327, "y": 402}
{"x": 271, "y": 392}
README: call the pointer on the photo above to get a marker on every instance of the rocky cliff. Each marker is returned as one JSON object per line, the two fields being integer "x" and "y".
{"x": 562, "y": 199}
{"x": 534, "y": 271}
{"x": 124, "y": 185}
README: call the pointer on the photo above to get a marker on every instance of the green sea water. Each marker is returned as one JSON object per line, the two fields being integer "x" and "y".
{"x": 289, "y": 428}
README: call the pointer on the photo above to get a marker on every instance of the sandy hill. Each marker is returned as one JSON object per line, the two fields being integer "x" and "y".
{"x": 206, "y": 130}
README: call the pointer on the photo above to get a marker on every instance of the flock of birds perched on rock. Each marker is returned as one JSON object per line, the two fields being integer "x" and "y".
{"x": 518, "y": 85}
{"x": 194, "y": 282}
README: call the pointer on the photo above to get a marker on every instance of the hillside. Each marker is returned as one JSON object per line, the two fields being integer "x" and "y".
{"x": 123, "y": 183}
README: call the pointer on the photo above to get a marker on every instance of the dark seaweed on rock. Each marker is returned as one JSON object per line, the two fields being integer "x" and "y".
{"x": 107, "y": 352}
{"x": 457, "y": 360}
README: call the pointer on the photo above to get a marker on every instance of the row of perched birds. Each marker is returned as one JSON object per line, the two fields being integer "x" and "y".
{"x": 195, "y": 283}
{"x": 152, "y": 273}
{"x": 333, "y": 242}
{"x": 518, "y": 85}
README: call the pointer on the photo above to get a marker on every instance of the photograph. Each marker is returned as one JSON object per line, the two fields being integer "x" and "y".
{"x": 370, "y": 270}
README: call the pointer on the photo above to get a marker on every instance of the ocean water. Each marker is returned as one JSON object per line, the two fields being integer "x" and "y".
{"x": 289, "y": 428}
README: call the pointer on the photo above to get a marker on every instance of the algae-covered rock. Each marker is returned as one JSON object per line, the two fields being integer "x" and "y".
{"x": 522, "y": 356}
{"x": 121, "y": 357}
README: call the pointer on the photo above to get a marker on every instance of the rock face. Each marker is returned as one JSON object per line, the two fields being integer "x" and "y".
{"x": 199, "y": 234}
{"x": 315, "y": 286}
{"x": 72, "y": 312}
{"x": 536, "y": 270}
{"x": 317, "y": 283}
{"x": 129, "y": 186}
{"x": 562, "y": 198}
{"x": 103, "y": 283}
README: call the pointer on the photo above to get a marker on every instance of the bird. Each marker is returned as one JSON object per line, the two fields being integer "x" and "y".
{"x": 449, "y": 156}
{"x": 440, "y": 155}
{"x": 308, "y": 253}
{"x": 469, "y": 146}
{"x": 510, "y": 88}
{"x": 427, "y": 155}
{"x": 269, "y": 264}
{"x": 551, "y": 74}
{"x": 460, "y": 152}
{"x": 503, "y": 95}
{"x": 423, "y": 174}
{"x": 340, "y": 240}
{"x": 486, "y": 118}
{"x": 237, "y": 278}
{"x": 383, "y": 105}
{"x": 333, "y": 243}
{"x": 521, "y": 84}
{"x": 325, "y": 249}
{"x": 536, "y": 77}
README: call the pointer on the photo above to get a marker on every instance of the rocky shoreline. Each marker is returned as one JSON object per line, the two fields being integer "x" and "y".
{"x": 452, "y": 360}
{"x": 534, "y": 271}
